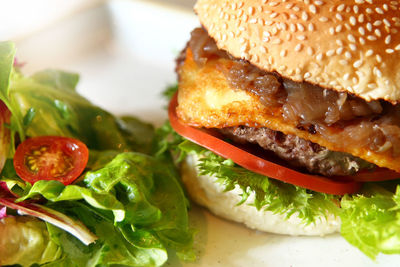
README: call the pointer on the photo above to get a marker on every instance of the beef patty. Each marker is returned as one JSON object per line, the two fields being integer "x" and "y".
{"x": 299, "y": 152}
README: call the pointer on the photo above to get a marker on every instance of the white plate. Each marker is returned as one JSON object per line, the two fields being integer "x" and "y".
{"x": 125, "y": 54}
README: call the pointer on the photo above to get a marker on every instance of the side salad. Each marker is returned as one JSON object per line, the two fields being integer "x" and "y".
{"x": 79, "y": 186}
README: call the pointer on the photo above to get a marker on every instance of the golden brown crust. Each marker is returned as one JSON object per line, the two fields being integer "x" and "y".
{"x": 345, "y": 45}
{"x": 205, "y": 99}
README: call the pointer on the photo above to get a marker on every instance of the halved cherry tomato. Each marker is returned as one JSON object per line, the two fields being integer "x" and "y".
{"x": 50, "y": 158}
{"x": 257, "y": 164}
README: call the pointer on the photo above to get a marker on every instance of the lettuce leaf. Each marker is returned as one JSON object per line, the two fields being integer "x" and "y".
{"x": 134, "y": 196}
{"x": 32, "y": 243}
{"x": 371, "y": 221}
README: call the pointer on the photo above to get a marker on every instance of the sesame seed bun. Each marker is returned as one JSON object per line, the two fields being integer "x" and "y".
{"x": 205, "y": 191}
{"x": 351, "y": 46}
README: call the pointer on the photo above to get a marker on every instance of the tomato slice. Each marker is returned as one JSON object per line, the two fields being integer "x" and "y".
{"x": 257, "y": 164}
{"x": 376, "y": 175}
{"x": 50, "y": 158}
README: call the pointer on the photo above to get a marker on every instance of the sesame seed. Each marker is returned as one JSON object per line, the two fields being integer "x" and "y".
{"x": 300, "y": 27}
{"x": 307, "y": 75}
{"x": 253, "y": 21}
{"x": 312, "y": 9}
{"x": 371, "y": 38}
{"x": 289, "y": 6}
{"x": 397, "y": 48}
{"x": 339, "y": 28}
{"x": 293, "y": 16}
{"x": 387, "y": 23}
{"x": 292, "y": 27}
{"x": 301, "y": 37}
{"x": 339, "y": 16}
{"x": 346, "y": 76}
{"x": 353, "y": 47}
{"x": 304, "y": 16}
{"x": 389, "y": 51}
{"x": 251, "y": 10}
{"x": 361, "y": 40}
{"x": 318, "y": 3}
{"x": 274, "y": 3}
{"x": 319, "y": 57}
{"x": 370, "y": 52}
{"x": 371, "y": 85}
{"x": 268, "y": 23}
{"x": 277, "y": 41}
{"x": 361, "y": 30}
{"x": 331, "y": 30}
{"x": 296, "y": 8}
{"x": 339, "y": 51}
{"x": 298, "y": 47}
{"x": 323, "y": 19}
{"x": 378, "y": 72}
{"x": 311, "y": 27}
{"x": 369, "y": 11}
{"x": 283, "y": 53}
{"x": 347, "y": 54}
{"x": 355, "y": 9}
{"x": 310, "y": 51}
{"x": 353, "y": 20}
{"x": 273, "y": 15}
{"x": 378, "y": 23}
{"x": 357, "y": 64}
{"x": 388, "y": 39}
{"x": 343, "y": 62}
{"x": 330, "y": 53}
{"x": 341, "y": 7}
{"x": 351, "y": 38}
{"x": 379, "y": 10}
{"x": 263, "y": 49}
{"x": 385, "y": 7}
{"x": 361, "y": 18}
{"x": 369, "y": 26}
{"x": 378, "y": 33}
{"x": 339, "y": 42}
{"x": 378, "y": 58}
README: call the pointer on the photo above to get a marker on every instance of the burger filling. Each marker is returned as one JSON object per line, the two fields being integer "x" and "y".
{"x": 337, "y": 117}
{"x": 298, "y": 152}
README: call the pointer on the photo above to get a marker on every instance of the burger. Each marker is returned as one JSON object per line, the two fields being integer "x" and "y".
{"x": 291, "y": 109}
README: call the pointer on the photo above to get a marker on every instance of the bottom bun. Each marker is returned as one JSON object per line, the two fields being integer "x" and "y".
{"x": 205, "y": 191}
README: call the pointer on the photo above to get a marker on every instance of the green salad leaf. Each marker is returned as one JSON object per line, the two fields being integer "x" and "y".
{"x": 128, "y": 197}
{"x": 31, "y": 242}
{"x": 371, "y": 221}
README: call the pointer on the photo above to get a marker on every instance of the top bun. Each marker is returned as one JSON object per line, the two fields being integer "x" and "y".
{"x": 345, "y": 45}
